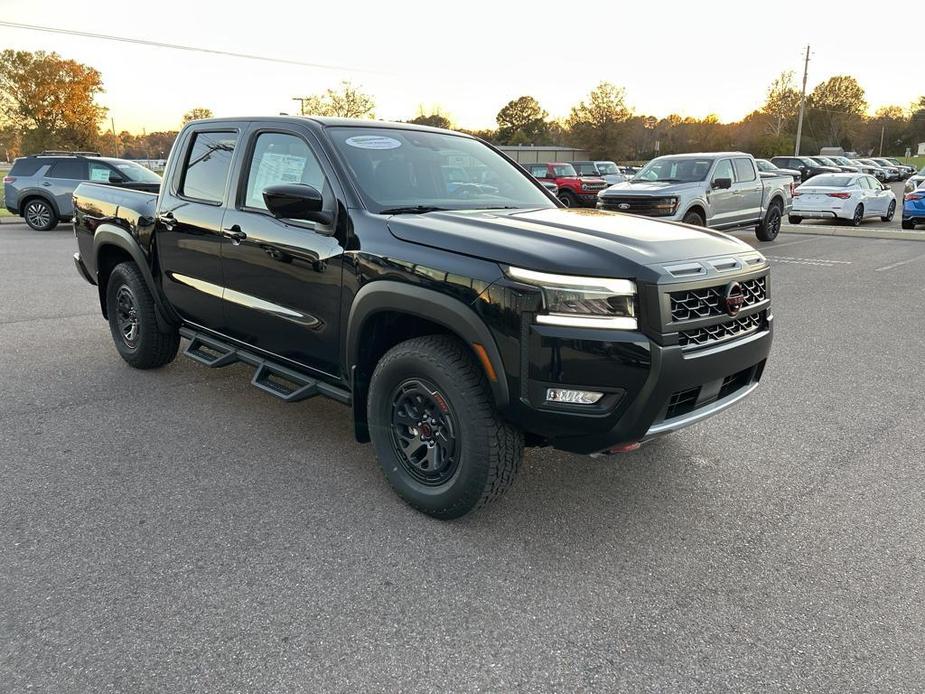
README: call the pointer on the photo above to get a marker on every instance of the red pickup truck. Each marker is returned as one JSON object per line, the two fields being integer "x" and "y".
{"x": 574, "y": 190}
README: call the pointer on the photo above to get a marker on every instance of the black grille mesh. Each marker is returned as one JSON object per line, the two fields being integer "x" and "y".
{"x": 721, "y": 331}
{"x": 691, "y": 304}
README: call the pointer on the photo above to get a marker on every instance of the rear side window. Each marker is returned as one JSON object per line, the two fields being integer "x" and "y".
{"x": 538, "y": 171}
{"x": 744, "y": 170}
{"x": 75, "y": 169}
{"x": 26, "y": 167}
{"x": 205, "y": 173}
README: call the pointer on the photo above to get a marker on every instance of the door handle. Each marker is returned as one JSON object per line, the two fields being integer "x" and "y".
{"x": 46, "y": 184}
{"x": 167, "y": 219}
{"x": 235, "y": 234}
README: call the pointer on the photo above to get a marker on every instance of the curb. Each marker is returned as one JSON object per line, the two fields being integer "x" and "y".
{"x": 898, "y": 235}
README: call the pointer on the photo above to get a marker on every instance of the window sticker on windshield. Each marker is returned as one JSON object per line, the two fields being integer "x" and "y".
{"x": 373, "y": 142}
{"x": 99, "y": 174}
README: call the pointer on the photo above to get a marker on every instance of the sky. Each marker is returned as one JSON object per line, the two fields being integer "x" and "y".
{"x": 466, "y": 59}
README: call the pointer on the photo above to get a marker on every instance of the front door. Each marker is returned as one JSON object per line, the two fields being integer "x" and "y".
{"x": 189, "y": 225}
{"x": 722, "y": 201}
{"x": 282, "y": 277}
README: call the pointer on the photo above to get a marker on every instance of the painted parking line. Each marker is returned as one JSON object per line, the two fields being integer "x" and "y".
{"x": 818, "y": 262}
{"x": 900, "y": 263}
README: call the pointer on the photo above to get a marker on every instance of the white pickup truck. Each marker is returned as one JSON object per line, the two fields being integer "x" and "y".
{"x": 720, "y": 190}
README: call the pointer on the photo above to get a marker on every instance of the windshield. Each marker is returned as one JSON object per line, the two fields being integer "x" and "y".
{"x": 831, "y": 181}
{"x": 806, "y": 161}
{"x": 584, "y": 168}
{"x": 607, "y": 167}
{"x": 135, "y": 172}
{"x": 675, "y": 170}
{"x": 396, "y": 168}
{"x": 764, "y": 165}
{"x": 561, "y": 170}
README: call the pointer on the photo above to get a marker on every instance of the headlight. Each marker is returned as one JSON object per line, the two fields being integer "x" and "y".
{"x": 585, "y": 186}
{"x": 582, "y": 302}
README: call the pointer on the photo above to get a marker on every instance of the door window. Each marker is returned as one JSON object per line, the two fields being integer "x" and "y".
{"x": 74, "y": 169}
{"x": 864, "y": 183}
{"x": 205, "y": 173}
{"x": 100, "y": 173}
{"x": 744, "y": 170}
{"x": 724, "y": 170}
{"x": 281, "y": 158}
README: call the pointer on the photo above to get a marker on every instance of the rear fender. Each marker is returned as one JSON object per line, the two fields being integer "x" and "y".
{"x": 112, "y": 235}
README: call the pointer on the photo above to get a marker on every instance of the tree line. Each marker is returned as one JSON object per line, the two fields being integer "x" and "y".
{"x": 49, "y": 102}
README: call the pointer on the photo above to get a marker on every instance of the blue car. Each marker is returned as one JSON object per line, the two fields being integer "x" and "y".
{"x": 914, "y": 208}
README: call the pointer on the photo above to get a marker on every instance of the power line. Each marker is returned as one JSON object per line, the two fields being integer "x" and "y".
{"x": 178, "y": 47}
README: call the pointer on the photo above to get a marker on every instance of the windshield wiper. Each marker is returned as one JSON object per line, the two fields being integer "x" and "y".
{"x": 414, "y": 209}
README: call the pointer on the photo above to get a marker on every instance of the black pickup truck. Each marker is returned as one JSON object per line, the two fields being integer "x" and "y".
{"x": 461, "y": 316}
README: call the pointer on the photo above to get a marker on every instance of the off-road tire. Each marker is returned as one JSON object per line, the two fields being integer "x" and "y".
{"x": 568, "y": 198}
{"x": 769, "y": 227}
{"x": 152, "y": 347}
{"x": 490, "y": 450}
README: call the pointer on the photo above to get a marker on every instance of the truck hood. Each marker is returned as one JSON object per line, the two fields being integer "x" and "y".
{"x": 647, "y": 188}
{"x": 567, "y": 241}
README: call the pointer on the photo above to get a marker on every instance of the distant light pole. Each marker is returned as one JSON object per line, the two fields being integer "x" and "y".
{"x": 796, "y": 149}
{"x": 301, "y": 100}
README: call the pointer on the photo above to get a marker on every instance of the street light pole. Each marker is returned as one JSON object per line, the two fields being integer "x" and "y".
{"x": 882, "y": 128}
{"x": 796, "y": 149}
{"x": 301, "y": 100}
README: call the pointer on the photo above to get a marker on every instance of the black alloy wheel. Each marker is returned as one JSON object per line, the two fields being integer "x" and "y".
{"x": 424, "y": 432}
{"x": 127, "y": 316}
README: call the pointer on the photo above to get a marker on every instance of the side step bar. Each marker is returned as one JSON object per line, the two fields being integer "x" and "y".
{"x": 271, "y": 377}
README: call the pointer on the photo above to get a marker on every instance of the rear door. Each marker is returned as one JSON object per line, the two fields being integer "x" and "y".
{"x": 283, "y": 276}
{"x": 189, "y": 223}
{"x": 749, "y": 191}
{"x": 881, "y": 196}
{"x": 61, "y": 180}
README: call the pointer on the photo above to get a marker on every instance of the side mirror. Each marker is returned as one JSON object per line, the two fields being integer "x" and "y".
{"x": 722, "y": 183}
{"x": 296, "y": 201}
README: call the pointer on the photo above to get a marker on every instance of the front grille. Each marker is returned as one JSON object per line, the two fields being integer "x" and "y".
{"x": 648, "y": 206}
{"x": 735, "y": 327}
{"x": 691, "y": 304}
{"x": 682, "y": 402}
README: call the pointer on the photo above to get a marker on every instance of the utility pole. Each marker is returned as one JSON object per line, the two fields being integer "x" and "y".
{"x": 112, "y": 122}
{"x": 301, "y": 100}
{"x": 882, "y": 128}
{"x": 796, "y": 150}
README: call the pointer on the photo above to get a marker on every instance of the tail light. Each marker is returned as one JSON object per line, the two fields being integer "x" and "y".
{"x": 796, "y": 193}
{"x": 843, "y": 196}
{"x": 793, "y": 189}
{"x": 914, "y": 196}
{"x": 9, "y": 179}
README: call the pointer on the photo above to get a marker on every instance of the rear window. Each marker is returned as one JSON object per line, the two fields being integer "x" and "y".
{"x": 27, "y": 167}
{"x": 205, "y": 173}
{"x": 744, "y": 169}
{"x": 75, "y": 169}
{"x": 832, "y": 181}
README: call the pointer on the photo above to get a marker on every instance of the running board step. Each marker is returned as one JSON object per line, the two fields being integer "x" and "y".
{"x": 210, "y": 352}
{"x": 271, "y": 377}
{"x": 283, "y": 383}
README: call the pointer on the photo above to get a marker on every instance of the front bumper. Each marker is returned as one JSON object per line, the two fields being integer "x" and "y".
{"x": 650, "y": 389}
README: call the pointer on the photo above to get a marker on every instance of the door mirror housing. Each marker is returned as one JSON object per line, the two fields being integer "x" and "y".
{"x": 296, "y": 201}
{"x": 722, "y": 183}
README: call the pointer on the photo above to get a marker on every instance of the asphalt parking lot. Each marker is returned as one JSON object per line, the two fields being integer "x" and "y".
{"x": 179, "y": 530}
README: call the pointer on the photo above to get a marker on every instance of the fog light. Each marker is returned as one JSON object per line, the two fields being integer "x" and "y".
{"x": 573, "y": 397}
